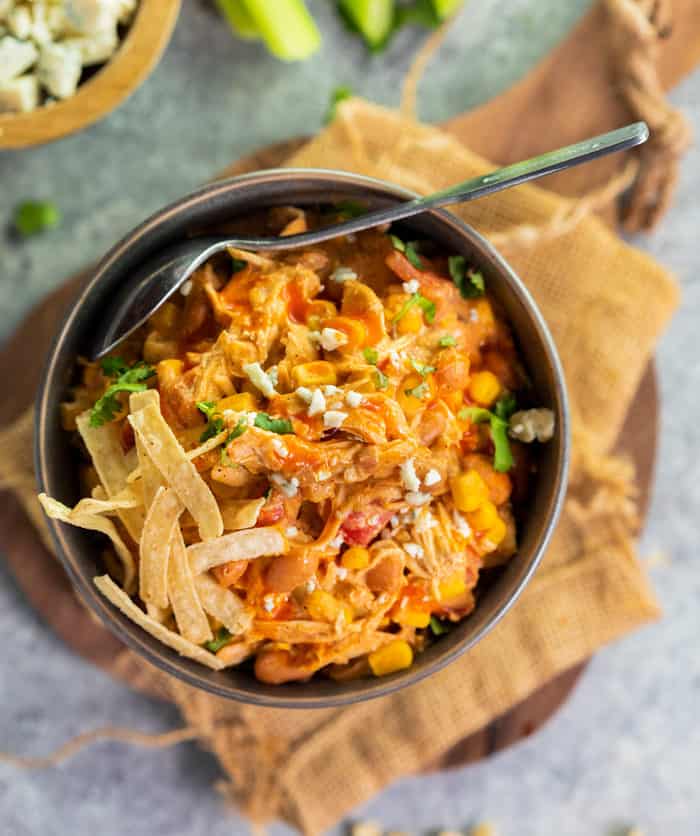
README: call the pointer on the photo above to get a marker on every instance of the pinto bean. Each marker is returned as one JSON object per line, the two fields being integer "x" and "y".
{"x": 386, "y": 574}
{"x": 288, "y": 571}
{"x": 278, "y": 666}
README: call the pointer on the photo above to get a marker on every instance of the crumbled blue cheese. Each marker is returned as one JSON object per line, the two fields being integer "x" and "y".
{"x": 413, "y": 549}
{"x": 15, "y": 57}
{"x": 411, "y": 287}
{"x": 280, "y": 448}
{"x": 21, "y": 95}
{"x": 343, "y": 274}
{"x": 331, "y": 339}
{"x": 273, "y": 374}
{"x": 59, "y": 69}
{"x": 337, "y": 542}
{"x": 292, "y": 531}
{"x": 461, "y": 524}
{"x": 317, "y": 404}
{"x": 260, "y": 379}
{"x": 353, "y": 399}
{"x": 19, "y": 22}
{"x": 341, "y": 573}
{"x": 333, "y": 419}
{"x": 268, "y": 603}
{"x": 96, "y": 48}
{"x": 408, "y": 475}
{"x": 304, "y": 393}
{"x": 91, "y": 16}
{"x": 329, "y": 390}
{"x": 417, "y": 498}
{"x": 323, "y": 475}
{"x": 432, "y": 477}
{"x": 289, "y": 487}
{"x": 530, "y": 424}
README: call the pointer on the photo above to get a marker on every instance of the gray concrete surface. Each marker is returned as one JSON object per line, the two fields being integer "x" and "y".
{"x": 626, "y": 747}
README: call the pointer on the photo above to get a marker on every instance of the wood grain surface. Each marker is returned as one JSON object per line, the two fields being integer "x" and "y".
{"x": 143, "y": 45}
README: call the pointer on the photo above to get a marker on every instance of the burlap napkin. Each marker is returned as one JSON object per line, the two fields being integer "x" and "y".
{"x": 606, "y": 304}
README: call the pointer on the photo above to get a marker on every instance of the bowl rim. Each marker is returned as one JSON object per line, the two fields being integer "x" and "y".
{"x": 137, "y": 55}
{"x": 111, "y": 617}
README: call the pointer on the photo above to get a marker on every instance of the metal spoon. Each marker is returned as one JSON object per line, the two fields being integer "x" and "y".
{"x": 155, "y": 281}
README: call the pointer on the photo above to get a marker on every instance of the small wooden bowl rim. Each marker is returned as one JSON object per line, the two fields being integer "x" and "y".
{"x": 136, "y": 57}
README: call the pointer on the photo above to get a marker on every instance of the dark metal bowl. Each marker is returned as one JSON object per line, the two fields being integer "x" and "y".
{"x": 57, "y": 472}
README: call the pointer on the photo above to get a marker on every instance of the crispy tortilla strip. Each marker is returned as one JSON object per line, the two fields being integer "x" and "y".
{"x": 151, "y": 479}
{"x": 98, "y": 505}
{"x": 191, "y": 619}
{"x": 209, "y": 444}
{"x": 158, "y": 614}
{"x": 105, "y": 449}
{"x": 251, "y": 258}
{"x": 223, "y": 604}
{"x": 239, "y": 545}
{"x": 94, "y": 522}
{"x": 293, "y": 632}
{"x": 154, "y": 549}
{"x": 181, "y": 475}
{"x": 122, "y": 602}
{"x": 241, "y": 513}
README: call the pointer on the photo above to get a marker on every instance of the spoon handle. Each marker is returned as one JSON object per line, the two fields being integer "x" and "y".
{"x": 495, "y": 181}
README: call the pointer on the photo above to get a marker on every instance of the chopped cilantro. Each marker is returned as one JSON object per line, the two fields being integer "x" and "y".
{"x": 237, "y": 264}
{"x": 126, "y": 380}
{"x": 34, "y": 216}
{"x": 411, "y": 254}
{"x": 281, "y": 426}
{"x": 338, "y": 95}
{"x": 428, "y": 308}
{"x": 215, "y": 423}
{"x": 113, "y": 366}
{"x": 221, "y": 639}
{"x": 446, "y": 341}
{"x": 398, "y": 243}
{"x": 409, "y": 249}
{"x": 426, "y": 305}
{"x": 349, "y": 209}
{"x": 371, "y": 356}
{"x": 381, "y": 380}
{"x": 422, "y": 369}
{"x": 469, "y": 282}
{"x": 503, "y": 457}
{"x": 437, "y": 627}
{"x": 505, "y": 406}
{"x": 237, "y": 431}
{"x": 421, "y": 391}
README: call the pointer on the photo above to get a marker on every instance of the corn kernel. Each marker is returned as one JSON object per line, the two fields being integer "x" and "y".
{"x": 354, "y": 329}
{"x": 411, "y": 322}
{"x": 452, "y": 587}
{"x": 412, "y": 618}
{"x": 165, "y": 318}
{"x": 322, "y": 606}
{"x": 391, "y": 658}
{"x": 242, "y": 402}
{"x": 484, "y": 387}
{"x": 484, "y": 517}
{"x": 414, "y": 393}
{"x": 496, "y": 533}
{"x": 469, "y": 491}
{"x": 355, "y": 557}
{"x": 169, "y": 372}
{"x": 317, "y": 373}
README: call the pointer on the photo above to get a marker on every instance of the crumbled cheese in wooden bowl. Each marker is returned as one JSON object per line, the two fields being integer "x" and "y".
{"x": 46, "y": 47}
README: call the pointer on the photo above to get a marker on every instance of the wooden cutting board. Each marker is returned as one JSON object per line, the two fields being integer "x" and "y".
{"x": 47, "y": 588}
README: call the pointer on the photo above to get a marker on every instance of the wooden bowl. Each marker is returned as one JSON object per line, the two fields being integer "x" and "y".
{"x": 137, "y": 55}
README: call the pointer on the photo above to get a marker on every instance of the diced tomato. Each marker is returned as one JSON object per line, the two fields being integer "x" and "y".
{"x": 272, "y": 511}
{"x": 361, "y": 527}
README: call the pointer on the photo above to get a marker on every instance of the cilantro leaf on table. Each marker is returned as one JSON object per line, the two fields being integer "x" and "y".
{"x": 34, "y": 216}
{"x": 126, "y": 379}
